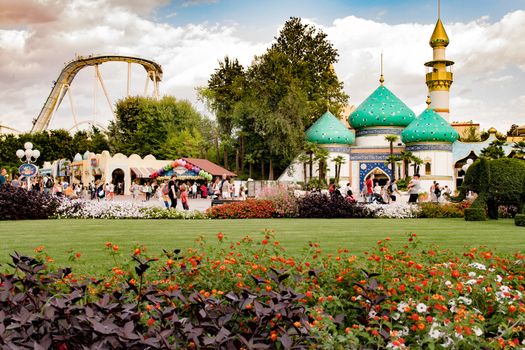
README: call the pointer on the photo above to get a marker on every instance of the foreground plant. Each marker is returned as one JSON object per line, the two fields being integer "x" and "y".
{"x": 250, "y": 294}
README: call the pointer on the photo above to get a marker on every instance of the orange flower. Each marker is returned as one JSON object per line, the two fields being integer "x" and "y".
{"x": 115, "y": 248}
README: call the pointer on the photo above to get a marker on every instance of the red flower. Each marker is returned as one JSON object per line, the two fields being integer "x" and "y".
{"x": 220, "y": 236}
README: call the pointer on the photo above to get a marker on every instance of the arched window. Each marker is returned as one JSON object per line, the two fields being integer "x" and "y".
{"x": 428, "y": 168}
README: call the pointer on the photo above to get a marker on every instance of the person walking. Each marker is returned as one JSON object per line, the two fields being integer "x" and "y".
{"x": 172, "y": 194}
{"x": 394, "y": 191}
{"x": 3, "y": 177}
{"x": 413, "y": 189}
{"x": 369, "y": 183}
{"x": 184, "y": 197}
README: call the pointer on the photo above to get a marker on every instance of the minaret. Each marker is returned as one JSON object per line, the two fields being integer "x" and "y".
{"x": 439, "y": 71}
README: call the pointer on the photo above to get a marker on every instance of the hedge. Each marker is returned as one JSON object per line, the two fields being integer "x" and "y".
{"x": 475, "y": 214}
{"x": 519, "y": 219}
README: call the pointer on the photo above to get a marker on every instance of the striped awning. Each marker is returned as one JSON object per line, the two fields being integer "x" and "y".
{"x": 142, "y": 172}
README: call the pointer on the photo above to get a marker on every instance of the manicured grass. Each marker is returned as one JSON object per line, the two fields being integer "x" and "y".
{"x": 89, "y": 236}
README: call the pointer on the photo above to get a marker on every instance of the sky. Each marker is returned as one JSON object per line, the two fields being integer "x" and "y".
{"x": 189, "y": 37}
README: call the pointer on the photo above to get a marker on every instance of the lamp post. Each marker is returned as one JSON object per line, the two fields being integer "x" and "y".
{"x": 28, "y": 169}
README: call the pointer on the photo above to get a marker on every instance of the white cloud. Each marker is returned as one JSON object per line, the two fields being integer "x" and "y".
{"x": 34, "y": 48}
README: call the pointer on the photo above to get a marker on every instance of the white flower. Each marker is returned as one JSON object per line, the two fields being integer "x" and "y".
{"x": 499, "y": 278}
{"x": 402, "y": 306}
{"x": 372, "y": 314}
{"x": 472, "y": 274}
{"x": 421, "y": 308}
{"x": 448, "y": 284}
{"x": 477, "y": 266}
{"x": 465, "y": 300}
{"x": 477, "y": 331}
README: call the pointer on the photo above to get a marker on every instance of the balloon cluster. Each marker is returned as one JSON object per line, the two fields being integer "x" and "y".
{"x": 466, "y": 166}
{"x": 183, "y": 163}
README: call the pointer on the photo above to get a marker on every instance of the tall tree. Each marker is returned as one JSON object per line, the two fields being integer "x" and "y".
{"x": 339, "y": 161}
{"x": 391, "y": 139}
{"x": 311, "y": 58}
{"x": 406, "y": 157}
{"x": 223, "y": 92}
{"x": 519, "y": 149}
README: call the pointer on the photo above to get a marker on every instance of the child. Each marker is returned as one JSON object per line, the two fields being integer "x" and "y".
{"x": 184, "y": 198}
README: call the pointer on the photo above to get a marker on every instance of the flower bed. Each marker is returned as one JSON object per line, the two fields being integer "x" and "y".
{"x": 86, "y": 209}
{"x": 248, "y": 209}
{"x": 251, "y": 294}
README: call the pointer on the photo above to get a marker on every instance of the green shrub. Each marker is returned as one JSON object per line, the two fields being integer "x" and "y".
{"x": 475, "y": 214}
{"x": 403, "y": 183}
{"x": 519, "y": 219}
{"x": 449, "y": 210}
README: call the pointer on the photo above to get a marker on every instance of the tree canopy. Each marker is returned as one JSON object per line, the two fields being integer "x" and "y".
{"x": 265, "y": 108}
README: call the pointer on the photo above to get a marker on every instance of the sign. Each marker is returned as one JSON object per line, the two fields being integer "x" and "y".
{"x": 28, "y": 170}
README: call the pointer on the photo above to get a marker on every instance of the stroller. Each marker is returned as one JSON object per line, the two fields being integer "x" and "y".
{"x": 377, "y": 198}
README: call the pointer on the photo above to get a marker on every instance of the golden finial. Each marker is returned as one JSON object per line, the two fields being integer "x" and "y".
{"x": 428, "y": 101}
{"x": 439, "y": 35}
{"x": 381, "y": 78}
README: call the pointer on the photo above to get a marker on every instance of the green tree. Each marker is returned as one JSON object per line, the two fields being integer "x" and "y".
{"x": 470, "y": 134}
{"x": 416, "y": 163}
{"x": 494, "y": 150}
{"x": 143, "y": 126}
{"x": 406, "y": 157}
{"x": 519, "y": 149}
{"x": 277, "y": 107}
{"x": 513, "y": 131}
{"x": 311, "y": 58}
{"x": 391, "y": 139}
{"x": 321, "y": 157}
{"x": 339, "y": 161}
{"x": 224, "y": 90}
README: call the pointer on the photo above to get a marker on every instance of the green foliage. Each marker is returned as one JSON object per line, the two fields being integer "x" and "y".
{"x": 475, "y": 214}
{"x": 494, "y": 150}
{"x": 498, "y": 181}
{"x": 519, "y": 149}
{"x": 519, "y": 219}
{"x": 52, "y": 144}
{"x": 449, "y": 210}
{"x": 267, "y": 107}
{"x": 470, "y": 134}
{"x": 147, "y": 126}
{"x": 402, "y": 184}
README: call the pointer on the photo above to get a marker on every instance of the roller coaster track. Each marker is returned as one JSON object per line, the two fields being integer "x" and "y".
{"x": 41, "y": 123}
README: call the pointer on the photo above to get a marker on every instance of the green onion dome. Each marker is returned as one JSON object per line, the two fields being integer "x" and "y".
{"x": 381, "y": 108}
{"x": 429, "y": 127}
{"x": 328, "y": 129}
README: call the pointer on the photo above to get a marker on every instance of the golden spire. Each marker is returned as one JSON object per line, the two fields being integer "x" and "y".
{"x": 439, "y": 36}
{"x": 428, "y": 101}
{"x": 381, "y": 77}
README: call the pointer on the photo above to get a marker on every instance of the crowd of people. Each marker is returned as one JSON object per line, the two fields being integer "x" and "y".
{"x": 373, "y": 192}
{"x": 168, "y": 191}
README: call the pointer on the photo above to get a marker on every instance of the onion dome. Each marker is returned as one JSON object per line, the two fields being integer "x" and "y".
{"x": 328, "y": 130}
{"x": 381, "y": 108}
{"x": 439, "y": 36}
{"x": 429, "y": 127}
{"x": 493, "y": 130}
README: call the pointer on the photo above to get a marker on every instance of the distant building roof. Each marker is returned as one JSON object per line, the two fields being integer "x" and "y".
{"x": 210, "y": 167}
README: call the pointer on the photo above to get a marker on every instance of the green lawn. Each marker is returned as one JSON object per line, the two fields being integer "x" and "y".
{"x": 89, "y": 236}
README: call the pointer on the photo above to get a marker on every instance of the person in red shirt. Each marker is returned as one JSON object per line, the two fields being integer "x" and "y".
{"x": 370, "y": 187}
{"x": 184, "y": 197}
{"x": 204, "y": 191}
